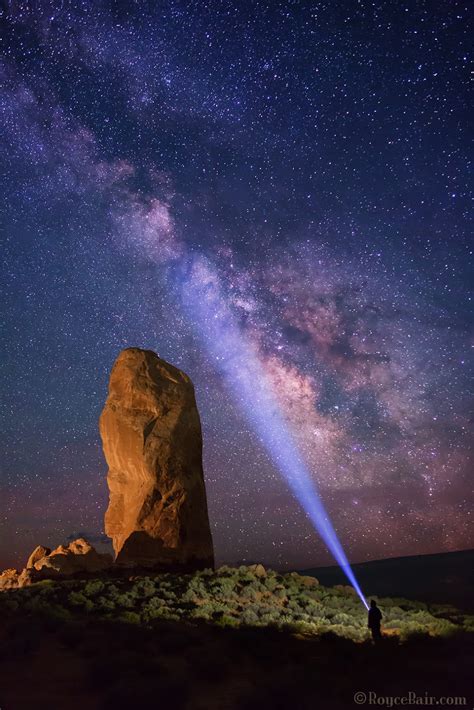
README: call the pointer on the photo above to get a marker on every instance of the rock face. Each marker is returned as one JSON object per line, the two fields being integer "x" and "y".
{"x": 9, "y": 579}
{"x": 37, "y": 554}
{"x": 65, "y": 560}
{"x": 151, "y": 436}
{"x": 77, "y": 558}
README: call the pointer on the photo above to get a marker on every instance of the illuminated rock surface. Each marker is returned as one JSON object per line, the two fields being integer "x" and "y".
{"x": 77, "y": 558}
{"x": 9, "y": 579}
{"x": 37, "y": 554}
{"x": 151, "y": 435}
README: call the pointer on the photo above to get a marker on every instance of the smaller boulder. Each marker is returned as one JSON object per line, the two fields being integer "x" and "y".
{"x": 309, "y": 581}
{"x": 79, "y": 557}
{"x": 66, "y": 560}
{"x": 27, "y": 577}
{"x": 9, "y": 579}
{"x": 37, "y": 554}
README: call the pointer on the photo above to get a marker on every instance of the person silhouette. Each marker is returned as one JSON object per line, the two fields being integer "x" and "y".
{"x": 375, "y": 617}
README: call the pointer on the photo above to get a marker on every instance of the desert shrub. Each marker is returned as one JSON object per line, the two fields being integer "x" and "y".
{"x": 152, "y": 608}
{"x": 127, "y": 600}
{"x": 335, "y": 602}
{"x": 170, "y": 614}
{"x": 231, "y": 597}
{"x": 130, "y": 617}
{"x": 145, "y": 587}
{"x": 249, "y": 617}
{"x": 444, "y": 627}
{"x": 104, "y": 604}
{"x": 291, "y": 588}
{"x": 47, "y": 591}
{"x": 353, "y": 633}
{"x": 190, "y": 597}
{"x": 113, "y": 592}
{"x": 197, "y": 588}
{"x": 227, "y": 571}
{"x": 299, "y": 626}
{"x": 410, "y": 628}
{"x": 204, "y": 612}
{"x": 421, "y": 622}
{"x": 169, "y": 595}
{"x": 312, "y": 606}
{"x": 217, "y": 607}
{"x": 227, "y": 620}
{"x": 393, "y": 623}
{"x": 45, "y": 583}
{"x": 93, "y": 587}
{"x": 223, "y": 587}
{"x": 249, "y": 592}
{"x": 468, "y": 623}
{"x": 421, "y": 617}
{"x": 246, "y": 575}
{"x": 404, "y": 604}
{"x": 344, "y": 619}
{"x": 208, "y": 572}
{"x": 80, "y": 600}
{"x": 316, "y": 616}
{"x": 294, "y": 605}
{"x": 394, "y": 612}
{"x": 443, "y": 610}
{"x": 270, "y": 617}
{"x": 37, "y": 604}
{"x": 270, "y": 583}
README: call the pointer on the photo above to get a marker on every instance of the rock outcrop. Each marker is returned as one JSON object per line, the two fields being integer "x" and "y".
{"x": 151, "y": 435}
{"x": 37, "y": 554}
{"x": 9, "y": 579}
{"x": 78, "y": 558}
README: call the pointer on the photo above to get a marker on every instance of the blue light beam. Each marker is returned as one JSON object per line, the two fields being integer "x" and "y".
{"x": 242, "y": 369}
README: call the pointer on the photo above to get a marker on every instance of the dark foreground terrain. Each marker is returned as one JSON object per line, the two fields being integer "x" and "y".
{"x": 235, "y": 638}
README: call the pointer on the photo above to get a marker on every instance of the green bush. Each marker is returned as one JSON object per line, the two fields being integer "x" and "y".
{"x": 228, "y": 621}
{"x": 153, "y": 608}
{"x": 223, "y": 588}
{"x": 80, "y": 600}
{"x": 130, "y": 617}
{"x": 468, "y": 623}
{"x": 126, "y": 600}
{"x": 249, "y": 592}
{"x": 231, "y": 597}
{"x": 145, "y": 587}
{"x": 104, "y": 604}
{"x": 249, "y": 617}
{"x": 94, "y": 587}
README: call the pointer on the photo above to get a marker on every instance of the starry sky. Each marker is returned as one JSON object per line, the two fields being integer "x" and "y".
{"x": 313, "y": 156}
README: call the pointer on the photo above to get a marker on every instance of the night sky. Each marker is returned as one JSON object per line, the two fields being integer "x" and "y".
{"x": 313, "y": 156}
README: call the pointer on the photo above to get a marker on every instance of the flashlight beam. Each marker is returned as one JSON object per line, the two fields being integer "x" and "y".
{"x": 243, "y": 372}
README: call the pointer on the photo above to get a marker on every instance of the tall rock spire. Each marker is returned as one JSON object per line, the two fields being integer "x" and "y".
{"x": 152, "y": 441}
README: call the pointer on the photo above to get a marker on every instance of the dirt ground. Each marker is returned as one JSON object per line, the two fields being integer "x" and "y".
{"x": 54, "y": 665}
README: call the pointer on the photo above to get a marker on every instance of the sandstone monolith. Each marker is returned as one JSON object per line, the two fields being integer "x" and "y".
{"x": 152, "y": 441}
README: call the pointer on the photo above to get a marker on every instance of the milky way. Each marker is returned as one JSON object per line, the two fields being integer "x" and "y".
{"x": 315, "y": 155}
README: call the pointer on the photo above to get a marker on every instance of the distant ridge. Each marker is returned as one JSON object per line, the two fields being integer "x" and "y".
{"x": 439, "y": 577}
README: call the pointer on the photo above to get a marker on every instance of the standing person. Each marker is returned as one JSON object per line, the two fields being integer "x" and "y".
{"x": 375, "y": 617}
